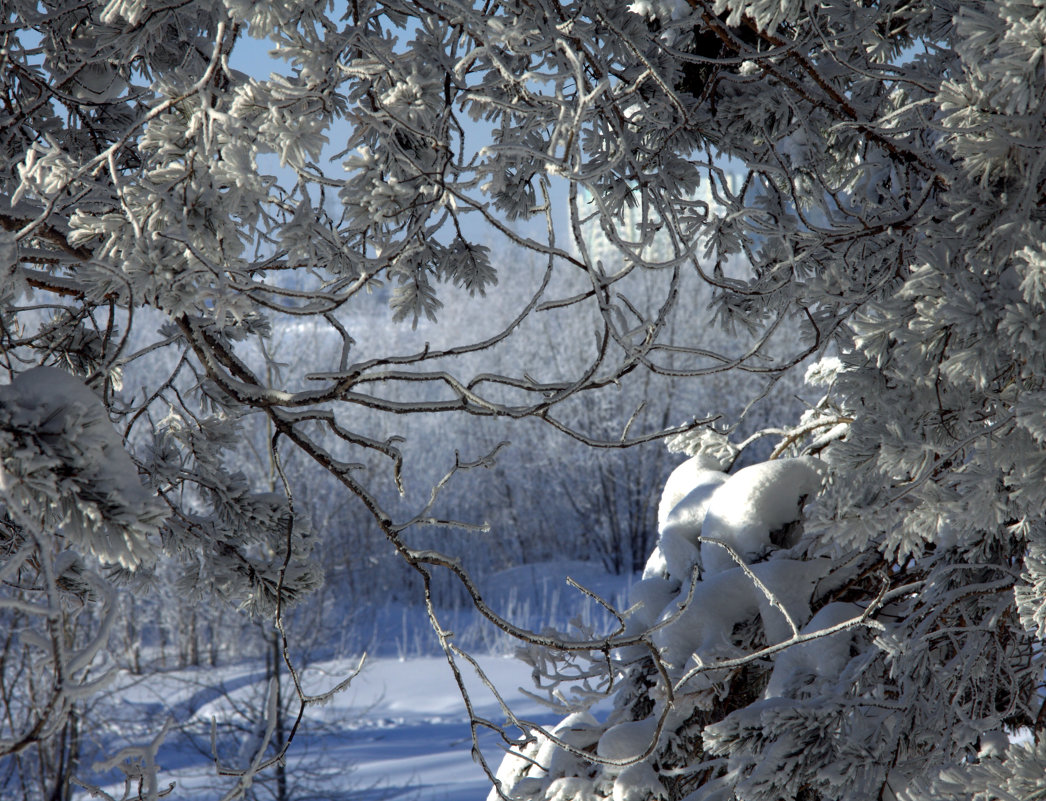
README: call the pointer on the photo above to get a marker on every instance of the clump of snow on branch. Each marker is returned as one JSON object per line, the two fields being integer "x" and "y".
{"x": 64, "y": 468}
{"x": 723, "y": 564}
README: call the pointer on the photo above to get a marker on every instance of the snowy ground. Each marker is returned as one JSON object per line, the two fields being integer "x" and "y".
{"x": 398, "y": 731}
{"x": 414, "y": 744}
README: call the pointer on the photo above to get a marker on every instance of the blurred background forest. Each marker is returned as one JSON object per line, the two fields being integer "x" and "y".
{"x": 542, "y": 496}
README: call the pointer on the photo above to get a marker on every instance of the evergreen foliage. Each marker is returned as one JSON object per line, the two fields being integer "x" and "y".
{"x": 859, "y": 183}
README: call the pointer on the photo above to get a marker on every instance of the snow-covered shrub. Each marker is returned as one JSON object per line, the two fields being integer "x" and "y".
{"x": 725, "y": 580}
{"x": 759, "y": 667}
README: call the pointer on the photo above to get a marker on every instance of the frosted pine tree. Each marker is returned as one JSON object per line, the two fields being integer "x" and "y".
{"x": 913, "y": 579}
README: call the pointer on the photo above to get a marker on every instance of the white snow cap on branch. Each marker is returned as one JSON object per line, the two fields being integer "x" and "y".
{"x": 753, "y": 506}
{"x": 64, "y": 466}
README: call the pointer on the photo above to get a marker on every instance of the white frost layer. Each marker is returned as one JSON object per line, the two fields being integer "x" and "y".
{"x": 54, "y": 393}
{"x": 114, "y": 512}
{"x": 751, "y": 504}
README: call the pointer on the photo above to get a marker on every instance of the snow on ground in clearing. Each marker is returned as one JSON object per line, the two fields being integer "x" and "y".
{"x": 425, "y": 751}
{"x": 398, "y": 732}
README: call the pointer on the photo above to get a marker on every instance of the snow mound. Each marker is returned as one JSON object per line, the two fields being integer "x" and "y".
{"x": 679, "y": 532}
{"x": 808, "y": 663}
{"x": 627, "y": 740}
{"x": 701, "y": 603}
{"x": 753, "y": 505}
{"x": 702, "y": 631}
{"x": 694, "y": 472}
{"x": 638, "y": 782}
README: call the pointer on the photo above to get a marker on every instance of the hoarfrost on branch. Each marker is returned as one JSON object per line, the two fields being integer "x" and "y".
{"x": 862, "y": 617}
